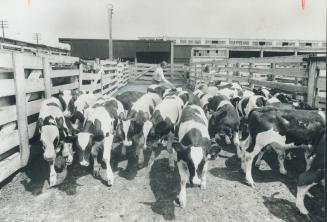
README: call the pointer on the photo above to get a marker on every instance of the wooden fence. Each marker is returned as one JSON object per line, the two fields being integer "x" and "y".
{"x": 25, "y": 81}
{"x": 301, "y": 76}
{"x": 144, "y": 71}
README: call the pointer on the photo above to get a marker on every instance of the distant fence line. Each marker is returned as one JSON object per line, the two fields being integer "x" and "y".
{"x": 26, "y": 80}
{"x": 297, "y": 75}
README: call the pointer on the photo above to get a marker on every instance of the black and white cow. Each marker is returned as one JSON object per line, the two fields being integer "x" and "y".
{"x": 281, "y": 130}
{"x": 165, "y": 118}
{"x": 314, "y": 175}
{"x": 244, "y": 107}
{"x": 224, "y": 121}
{"x": 54, "y": 136}
{"x": 138, "y": 120}
{"x": 192, "y": 150}
{"x": 203, "y": 98}
{"x": 97, "y": 134}
{"x": 78, "y": 107}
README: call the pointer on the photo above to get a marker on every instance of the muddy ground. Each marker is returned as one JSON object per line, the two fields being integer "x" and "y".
{"x": 148, "y": 194}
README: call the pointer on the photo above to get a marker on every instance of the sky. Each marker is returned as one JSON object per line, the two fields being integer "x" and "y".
{"x": 269, "y": 19}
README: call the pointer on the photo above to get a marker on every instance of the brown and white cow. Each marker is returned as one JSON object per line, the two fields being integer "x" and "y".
{"x": 165, "y": 118}
{"x": 282, "y": 130}
{"x": 138, "y": 120}
{"x": 97, "y": 134}
{"x": 314, "y": 175}
{"x": 192, "y": 150}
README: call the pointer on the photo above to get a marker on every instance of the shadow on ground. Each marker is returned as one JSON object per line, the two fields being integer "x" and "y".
{"x": 165, "y": 187}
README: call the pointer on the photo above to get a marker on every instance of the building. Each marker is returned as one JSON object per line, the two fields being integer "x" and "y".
{"x": 157, "y": 49}
{"x": 22, "y": 46}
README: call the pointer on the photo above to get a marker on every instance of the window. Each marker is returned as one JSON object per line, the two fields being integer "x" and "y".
{"x": 285, "y": 44}
{"x": 208, "y": 41}
{"x": 262, "y": 43}
{"x": 183, "y": 41}
{"x": 308, "y": 44}
{"x": 197, "y": 41}
{"x": 214, "y": 42}
{"x": 190, "y": 41}
{"x": 216, "y": 51}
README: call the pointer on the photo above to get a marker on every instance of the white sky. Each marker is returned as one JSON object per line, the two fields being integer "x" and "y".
{"x": 281, "y": 19}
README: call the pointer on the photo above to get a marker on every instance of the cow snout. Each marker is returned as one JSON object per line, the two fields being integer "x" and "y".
{"x": 84, "y": 163}
{"x": 196, "y": 180}
{"x": 49, "y": 155}
{"x": 127, "y": 143}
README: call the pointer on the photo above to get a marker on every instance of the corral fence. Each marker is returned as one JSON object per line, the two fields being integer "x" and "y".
{"x": 144, "y": 71}
{"x": 301, "y": 76}
{"x": 26, "y": 80}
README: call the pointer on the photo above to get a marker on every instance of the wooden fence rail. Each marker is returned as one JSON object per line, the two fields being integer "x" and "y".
{"x": 301, "y": 76}
{"x": 25, "y": 81}
{"x": 144, "y": 71}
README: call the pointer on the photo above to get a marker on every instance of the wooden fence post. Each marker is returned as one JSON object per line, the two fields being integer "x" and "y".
{"x": 311, "y": 83}
{"x": 171, "y": 61}
{"x": 80, "y": 78}
{"x": 46, "y": 76}
{"x": 19, "y": 78}
{"x": 251, "y": 65}
{"x": 229, "y": 72}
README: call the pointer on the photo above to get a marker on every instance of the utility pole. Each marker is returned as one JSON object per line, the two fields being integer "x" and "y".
{"x": 37, "y": 38}
{"x": 3, "y": 25}
{"x": 110, "y": 12}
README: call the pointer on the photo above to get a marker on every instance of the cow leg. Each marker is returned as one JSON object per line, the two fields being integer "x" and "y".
{"x": 107, "y": 145}
{"x": 68, "y": 153}
{"x": 301, "y": 192}
{"x": 171, "y": 151}
{"x": 236, "y": 141}
{"x": 281, "y": 157}
{"x": 204, "y": 176}
{"x": 146, "y": 129}
{"x": 183, "y": 173}
{"x": 153, "y": 153}
{"x": 139, "y": 151}
{"x": 96, "y": 165}
{"x": 123, "y": 151}
{"x": 53, "y": 175}
{"x": 258, "y": 162}
{"x": 243, "y": 146}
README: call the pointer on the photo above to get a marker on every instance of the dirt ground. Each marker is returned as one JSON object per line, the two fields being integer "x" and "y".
{"x": 148, "y": 194}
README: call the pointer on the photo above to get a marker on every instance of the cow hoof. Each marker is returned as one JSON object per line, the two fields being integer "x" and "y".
{"x": 284, "y": 172}
{"x": 252, "y": 184}
{"x": 53, "y": 181}
{"x": 96, "y": 171}
{"x": 110, "y": 183}
{"x": 179, "y": 202}
{"x": 203, "y": 186}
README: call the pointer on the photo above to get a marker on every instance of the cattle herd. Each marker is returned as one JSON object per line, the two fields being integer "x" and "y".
{"x": 194, "y": 124}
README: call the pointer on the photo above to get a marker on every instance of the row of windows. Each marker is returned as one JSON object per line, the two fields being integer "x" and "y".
{"x": 254, "y": 43}
{"x": 219, "y": 53}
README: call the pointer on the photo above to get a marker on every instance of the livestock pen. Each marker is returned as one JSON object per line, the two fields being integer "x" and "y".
{"x": 145, "y": 194}
{"x": 302, "y": 76}
{"x": 26, "y": 80}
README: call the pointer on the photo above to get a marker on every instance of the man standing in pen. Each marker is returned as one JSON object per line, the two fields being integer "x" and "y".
{"x": 159, "y": 78}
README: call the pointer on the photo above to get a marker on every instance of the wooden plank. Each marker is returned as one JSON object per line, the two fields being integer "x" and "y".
{"x": 7, "y": 114}
{"x": 321, "y": 83}
{"x": 18, "y": 61}
{"x": 55, "y": 89}
{"x": 34, "y": 85}
{"x": 321, "y": 65}
{"x": 46, "y": 77}
{"x": 277, "y": 85}
{"x": 32, "y": 62}
{"x": 62, "y": 59}
{"x": 64, "y": 73}
{"x": 7, "y": 87}
{"x": 9, "y": 166}
{"x": 33, "y": 107}
{"x": 6, "y": 60}
{"x": 89, "y": 76}
{"x": 9, "y": 141}
{"x": 311, "y": 83}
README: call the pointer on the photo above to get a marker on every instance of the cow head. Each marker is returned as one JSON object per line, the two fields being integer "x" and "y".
{"x": 84, "y": 143}
{"x": 184, "y": 95}
{"x": 67, "y": 98}
{"x": 262, "y": 91}
{"x": 50, "y": 140}
{"x": 122, "y": 132}
{"x": 195, "y": 158}
{"x": 159, "y": 90}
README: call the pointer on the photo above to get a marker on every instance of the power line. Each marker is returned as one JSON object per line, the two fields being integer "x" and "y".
{"x": 3, "y": 25}
{"x": 37, "y": 37}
